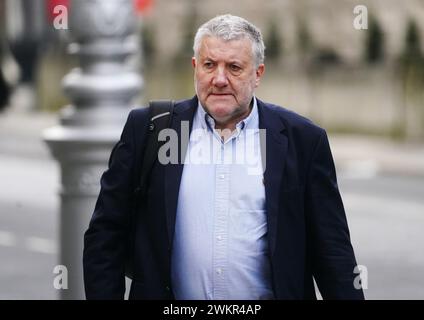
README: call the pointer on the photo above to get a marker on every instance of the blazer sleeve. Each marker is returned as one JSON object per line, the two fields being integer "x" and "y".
{"x": 331, "y": 252}
{"x": 105, "y": 238}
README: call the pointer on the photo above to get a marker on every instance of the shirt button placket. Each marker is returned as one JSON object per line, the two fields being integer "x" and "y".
{"x": 220, "y": 252}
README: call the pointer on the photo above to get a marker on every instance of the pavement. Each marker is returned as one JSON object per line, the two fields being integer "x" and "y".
{"x": 365, "y": 155}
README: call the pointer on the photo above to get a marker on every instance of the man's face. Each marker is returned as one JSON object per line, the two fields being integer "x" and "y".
{"x": 226, "y": 77}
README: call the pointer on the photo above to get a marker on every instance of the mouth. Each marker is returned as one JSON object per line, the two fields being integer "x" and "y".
{"x": 220, "y": 94}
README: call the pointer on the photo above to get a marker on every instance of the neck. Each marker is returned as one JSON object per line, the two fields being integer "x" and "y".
{"x": 230, "y": 125}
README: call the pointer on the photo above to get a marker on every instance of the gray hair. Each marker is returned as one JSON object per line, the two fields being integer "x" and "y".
{"x": 228, "y": 27}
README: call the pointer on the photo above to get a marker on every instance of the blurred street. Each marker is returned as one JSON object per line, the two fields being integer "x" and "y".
{"x": 346, "y": 66}
{"x": 29, "y": 209}
{"x": 382, "y": 184}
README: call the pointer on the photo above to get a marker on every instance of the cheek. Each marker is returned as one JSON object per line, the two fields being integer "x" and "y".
{"x": 245, "y": 88}
{"x": 203, "y": 90}
{"x": 202, "y": 82}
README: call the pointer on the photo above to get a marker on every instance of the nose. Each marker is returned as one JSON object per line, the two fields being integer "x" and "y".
{"x": 220, "y": 78}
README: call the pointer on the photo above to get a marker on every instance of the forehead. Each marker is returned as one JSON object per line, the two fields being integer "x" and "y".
{"x": 216, "y": 48}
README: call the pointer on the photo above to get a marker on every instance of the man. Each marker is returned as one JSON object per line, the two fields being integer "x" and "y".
{"x": 210, "y": 228}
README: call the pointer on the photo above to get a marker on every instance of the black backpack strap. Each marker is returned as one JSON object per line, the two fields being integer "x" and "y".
{"x": 160, "y": 114}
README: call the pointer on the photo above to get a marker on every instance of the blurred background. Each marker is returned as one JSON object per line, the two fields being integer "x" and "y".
{"x": 59, "y": 102}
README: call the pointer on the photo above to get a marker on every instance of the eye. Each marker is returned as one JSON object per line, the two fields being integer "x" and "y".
{"x": 235, "y": 68}
{"x": 208, "y": 64}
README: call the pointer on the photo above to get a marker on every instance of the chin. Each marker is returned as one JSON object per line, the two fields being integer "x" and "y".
{"x": 221, "y": 111}
{"x": 223, "y": 106}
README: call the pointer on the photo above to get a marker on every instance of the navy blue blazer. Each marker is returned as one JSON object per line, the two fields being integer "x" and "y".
{"x": 307, "y": 228}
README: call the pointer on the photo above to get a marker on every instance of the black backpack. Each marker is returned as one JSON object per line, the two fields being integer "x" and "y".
{"x": 160, "y": 115}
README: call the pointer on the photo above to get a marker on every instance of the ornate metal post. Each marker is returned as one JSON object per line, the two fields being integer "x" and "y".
{"x": 101, "y": 91}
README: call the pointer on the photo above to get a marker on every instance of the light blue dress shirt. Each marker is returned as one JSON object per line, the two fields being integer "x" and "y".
{"x": 220, "y": 248}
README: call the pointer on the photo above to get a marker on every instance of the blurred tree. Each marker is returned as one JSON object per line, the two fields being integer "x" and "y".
{"x": 412, "y": 72}
{"x": 305, "y": 45}
{"x": 148, "y": 42}
{"x": 412, "y": 50}
{"x": 304, "y": 41}
{"x": 189, "y": 31}
{"x": 374, "y": 43}
{"x": 326, "y": 56}
{"x": 4, "y": 90}
{"x": 4, "y": 86}
{"x": 273, "y": 42}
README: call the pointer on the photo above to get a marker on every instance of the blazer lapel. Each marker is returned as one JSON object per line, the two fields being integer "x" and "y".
{"x": 275, "y": 151}
{"x": 182, "y": 123}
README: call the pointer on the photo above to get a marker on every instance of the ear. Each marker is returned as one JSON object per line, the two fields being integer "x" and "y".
{"x": 259, "y": 73}
{"x": 193, "y": 62}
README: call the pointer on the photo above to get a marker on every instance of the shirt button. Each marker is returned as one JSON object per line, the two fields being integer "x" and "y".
{"x": 219, "y": 238}
{"x": 221, "y": 176}
{"x": 219, "y": 271}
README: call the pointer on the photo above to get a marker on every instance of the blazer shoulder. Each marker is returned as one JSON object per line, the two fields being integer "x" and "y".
{"x": 294, "y": 121}
{"x": 139, "y": 114}
{"x": 142, "y": 112}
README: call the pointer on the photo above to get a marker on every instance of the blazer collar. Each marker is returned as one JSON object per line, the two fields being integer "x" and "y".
{"x": 182, "y": 123}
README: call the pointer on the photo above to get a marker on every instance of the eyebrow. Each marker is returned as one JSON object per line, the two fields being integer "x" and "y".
{"x": 240, "y": 62}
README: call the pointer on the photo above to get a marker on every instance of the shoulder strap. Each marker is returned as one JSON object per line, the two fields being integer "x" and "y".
{"x": 160, "y": 114}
